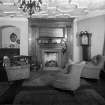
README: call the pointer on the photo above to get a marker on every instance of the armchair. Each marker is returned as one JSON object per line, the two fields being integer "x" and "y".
{"x": 69, "y": 81}
{"x": 16, "y": 68}
{"x": 91, "y": 70}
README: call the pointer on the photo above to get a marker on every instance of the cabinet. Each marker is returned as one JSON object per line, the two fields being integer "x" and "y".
{"x": 9, "y": 51}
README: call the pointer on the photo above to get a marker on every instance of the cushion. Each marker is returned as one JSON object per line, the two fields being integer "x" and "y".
{"x": 6, "y": 61}
{"x": 68, "y": 65}
{"x": 96, "y": 59}
{"x": 69, "y": 69}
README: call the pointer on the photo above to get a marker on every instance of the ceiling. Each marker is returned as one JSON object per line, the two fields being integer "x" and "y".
{"x": 56, "y": 9}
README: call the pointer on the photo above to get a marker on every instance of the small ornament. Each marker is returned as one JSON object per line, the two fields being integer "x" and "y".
{"x": 18, "y": 41}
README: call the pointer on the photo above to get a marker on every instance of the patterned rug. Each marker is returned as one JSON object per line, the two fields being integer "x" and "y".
{"x": 44, "y": 78}
{"x": 4, "y": 87}
{"x": 51, "y": 96}
{"x": 39, "y": 78}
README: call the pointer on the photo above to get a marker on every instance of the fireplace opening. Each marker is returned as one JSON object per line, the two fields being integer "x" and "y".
{"x": 51, "y": 63}
{"x": 50, "y": 59}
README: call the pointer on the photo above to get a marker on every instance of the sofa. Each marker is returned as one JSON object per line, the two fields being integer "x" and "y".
{"x": 16, "y": 67}
{"x": 69, "y": 80}
{"x": 6, "y": 52}
{"x": 93, "y": 68}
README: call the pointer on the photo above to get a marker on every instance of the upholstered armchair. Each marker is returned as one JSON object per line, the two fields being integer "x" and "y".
{"x": 71, "y": 80}
{"x": 92, "y": 70}
{"x": 16, "y": 68}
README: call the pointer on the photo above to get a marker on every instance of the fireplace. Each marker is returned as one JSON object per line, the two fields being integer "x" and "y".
{"x": 51, "y": 59}
{"x": 46, "y": 35}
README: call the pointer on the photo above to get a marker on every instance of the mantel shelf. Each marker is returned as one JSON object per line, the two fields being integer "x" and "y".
{"x": 50, "y": 45}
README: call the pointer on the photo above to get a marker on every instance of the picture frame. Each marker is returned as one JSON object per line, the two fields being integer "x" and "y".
{"x": 13, "y": 37}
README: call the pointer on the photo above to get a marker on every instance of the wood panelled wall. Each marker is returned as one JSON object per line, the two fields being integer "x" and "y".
{"x": 34, "y": 28}
{"x": 51, "y": 32}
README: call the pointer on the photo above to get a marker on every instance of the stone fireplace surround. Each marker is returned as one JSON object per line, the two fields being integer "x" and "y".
{"x": 50, "y": 52}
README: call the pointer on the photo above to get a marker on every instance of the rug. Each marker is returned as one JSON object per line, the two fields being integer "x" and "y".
{"x": 44, "y": 78}
{"x": 4, "y": 87}
{"x": 51, "y": 96}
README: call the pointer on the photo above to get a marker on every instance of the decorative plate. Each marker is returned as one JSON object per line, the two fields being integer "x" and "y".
{"x": 13, "y": 37}
{"x": 18, "y": 41}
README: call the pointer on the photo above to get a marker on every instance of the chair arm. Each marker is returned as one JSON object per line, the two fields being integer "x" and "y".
{"x": 18, "y": 72}
{"x": 17, "y": 67}
{"x": 93, "y": 67}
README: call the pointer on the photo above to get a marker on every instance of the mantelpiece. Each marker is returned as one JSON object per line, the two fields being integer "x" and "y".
{"x": 46, "y": 34}
{"x": 49, "y": 40}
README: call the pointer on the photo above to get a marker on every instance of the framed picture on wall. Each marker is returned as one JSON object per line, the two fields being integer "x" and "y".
{"x": 14, "y": 41}
{"x": 13, "y": 37}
